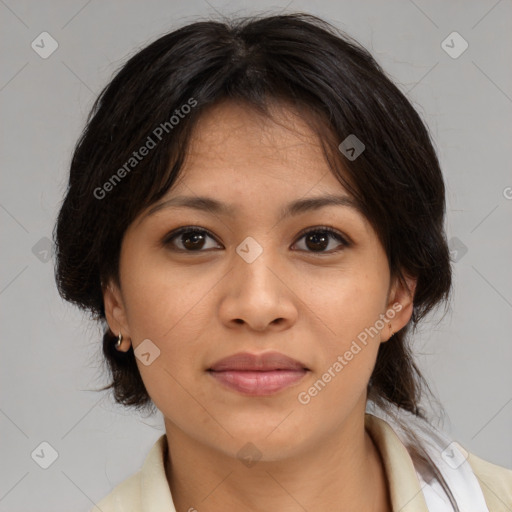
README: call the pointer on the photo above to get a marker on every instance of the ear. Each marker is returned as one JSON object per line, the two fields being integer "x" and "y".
{"x": 400, "y": 305}
{"x": 115, "y": 311}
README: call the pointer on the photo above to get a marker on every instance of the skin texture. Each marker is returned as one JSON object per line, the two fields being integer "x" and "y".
{"x": 198, "y": 307}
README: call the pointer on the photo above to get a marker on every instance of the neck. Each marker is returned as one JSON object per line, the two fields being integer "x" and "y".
{"x": 344, "y": 468}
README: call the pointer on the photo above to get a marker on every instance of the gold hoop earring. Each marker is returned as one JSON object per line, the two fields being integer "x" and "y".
{"x": 119, "y": 341}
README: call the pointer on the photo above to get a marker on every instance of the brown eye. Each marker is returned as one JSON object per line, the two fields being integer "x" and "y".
{"x": 188, "y": 239}
{"x": 318, "y": 240}
{"x": 192, "y": 239}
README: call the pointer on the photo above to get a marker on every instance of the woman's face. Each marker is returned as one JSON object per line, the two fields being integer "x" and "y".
{"x": 255, "y": 277}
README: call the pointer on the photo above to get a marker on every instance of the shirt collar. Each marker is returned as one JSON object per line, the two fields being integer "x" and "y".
{"x": 404, "y": 486}
{"x": 403, "y": 483}
{"x": 155, "y": 493}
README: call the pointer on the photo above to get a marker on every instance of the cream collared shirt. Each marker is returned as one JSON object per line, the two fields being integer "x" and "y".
{"x": 148, "y": 489}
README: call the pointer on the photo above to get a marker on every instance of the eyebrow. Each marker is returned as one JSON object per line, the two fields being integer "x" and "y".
{"x": 208, "y": 204}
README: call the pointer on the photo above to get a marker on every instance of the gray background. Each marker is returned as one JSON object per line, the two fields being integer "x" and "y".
{"x": 51, "y": 352}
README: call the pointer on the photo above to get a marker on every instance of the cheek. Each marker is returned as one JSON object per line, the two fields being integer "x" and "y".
{"x": 348, "y": 304}
{"x": 162, "y": 300}
{"x": 165, "y": 306}
{"x": 331, "y": 396}
{"x": 349, "y": 307}
{"x": 347, "y": 358}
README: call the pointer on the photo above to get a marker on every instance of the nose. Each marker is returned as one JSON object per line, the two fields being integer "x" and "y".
{"x": 258, "y": 295}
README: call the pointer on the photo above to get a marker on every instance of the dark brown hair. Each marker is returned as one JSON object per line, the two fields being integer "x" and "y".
{"x": 294, "y": 59}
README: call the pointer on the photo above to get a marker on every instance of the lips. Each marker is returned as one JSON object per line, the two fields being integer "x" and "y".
{"x": 257, "y": 362}
{"x": 258, "y": 374}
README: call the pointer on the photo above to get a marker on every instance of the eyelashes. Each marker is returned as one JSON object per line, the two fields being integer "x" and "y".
{"x": 198, "y": 236}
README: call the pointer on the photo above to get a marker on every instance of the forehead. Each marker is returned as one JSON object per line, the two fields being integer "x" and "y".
{"x": 233, "y": 143}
